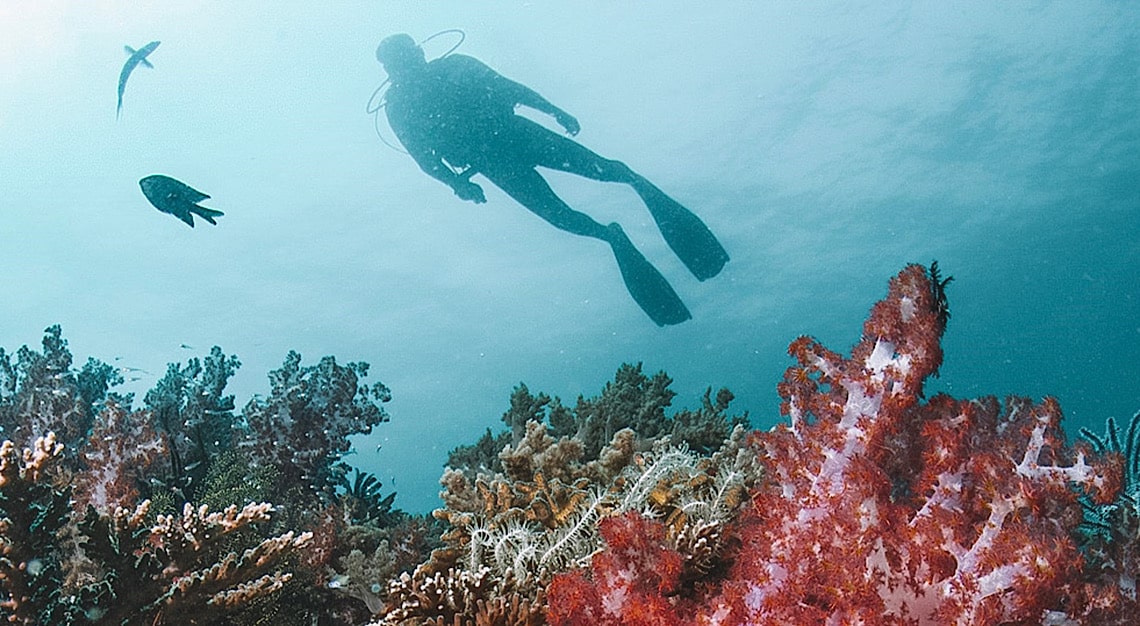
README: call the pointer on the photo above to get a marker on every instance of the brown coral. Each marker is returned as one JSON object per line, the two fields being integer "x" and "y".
{"x": 460, "y": 598}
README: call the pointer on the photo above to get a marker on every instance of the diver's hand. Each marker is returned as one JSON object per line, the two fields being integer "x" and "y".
{"x": 467, "y": 190}
{"x": 568, "y": 122}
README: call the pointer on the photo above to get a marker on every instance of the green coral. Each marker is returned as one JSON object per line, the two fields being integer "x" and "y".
{"x": 232, "y": 480}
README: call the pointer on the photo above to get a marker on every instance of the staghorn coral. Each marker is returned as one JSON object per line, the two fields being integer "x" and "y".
{"x": 462, "y": 598}
{"x": 180, "y": 569}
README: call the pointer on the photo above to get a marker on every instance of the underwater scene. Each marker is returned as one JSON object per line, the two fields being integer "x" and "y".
{"x": 515, "y": 313}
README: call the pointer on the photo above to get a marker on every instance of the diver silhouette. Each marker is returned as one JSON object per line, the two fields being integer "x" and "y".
{"x": 456, "y": 118}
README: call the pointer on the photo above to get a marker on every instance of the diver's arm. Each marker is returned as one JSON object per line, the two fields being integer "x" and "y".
{"x": 433, "y": 166}
{"x": 478, "y": 75}
{"x": 528, "y": 97}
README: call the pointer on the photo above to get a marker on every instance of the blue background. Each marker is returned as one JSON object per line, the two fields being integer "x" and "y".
{"x": 826, "y": 143}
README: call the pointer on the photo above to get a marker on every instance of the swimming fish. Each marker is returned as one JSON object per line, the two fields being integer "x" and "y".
{"x": 177, "y": 198}
{"x": 137, "y": 57}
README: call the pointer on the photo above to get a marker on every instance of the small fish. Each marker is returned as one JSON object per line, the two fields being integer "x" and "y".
{"x": 136, "y": 57}
{"x": 177, "y": 198}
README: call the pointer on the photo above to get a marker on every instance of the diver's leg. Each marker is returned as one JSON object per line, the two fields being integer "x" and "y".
{"x": 530, "y": 189}
{"x": 556, "y": 152}
{"x": 685, "y": 233}
{"x": 647, "y": 286}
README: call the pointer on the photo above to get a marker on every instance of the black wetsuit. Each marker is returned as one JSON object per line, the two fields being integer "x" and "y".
{"x": 455, "y": 111}
{"x": 463, "y": 112}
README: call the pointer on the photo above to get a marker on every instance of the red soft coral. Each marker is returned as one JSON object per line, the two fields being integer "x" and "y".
{"x": 886, "y": 510}
{"x": 880, "y": 508}
{"x": 635, "y": 581}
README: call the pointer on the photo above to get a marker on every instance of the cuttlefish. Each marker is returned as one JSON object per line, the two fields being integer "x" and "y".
{"x": 136, "y": 57}
{"x": 177, "y": 198}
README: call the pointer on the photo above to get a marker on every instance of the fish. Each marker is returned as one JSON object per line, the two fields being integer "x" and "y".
{"x": 136, "y": 58}
{"x": 177, "y": 198}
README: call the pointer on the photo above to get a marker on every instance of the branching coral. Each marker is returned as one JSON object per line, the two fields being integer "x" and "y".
{"x": 181, "y": 569}
{"x": 77, "y": 546}
{"x": 460, "y": 597}
{"x": 872, "y": 505}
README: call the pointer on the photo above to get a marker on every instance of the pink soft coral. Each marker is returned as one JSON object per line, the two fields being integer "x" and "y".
{"x": 635, "y": 580}
{"x": 879, "y": 508}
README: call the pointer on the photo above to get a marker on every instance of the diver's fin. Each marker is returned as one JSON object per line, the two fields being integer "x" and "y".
{"x": 206, "y": 214}
{"x": 685, "y": 233}
{"x": 647, "y": 286}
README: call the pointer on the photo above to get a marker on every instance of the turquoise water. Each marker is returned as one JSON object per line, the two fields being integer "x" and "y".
{"x": 826, "y": 144}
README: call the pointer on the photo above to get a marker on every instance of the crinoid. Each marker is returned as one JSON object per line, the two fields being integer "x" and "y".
{"x": 362, "y": 498}
{"x": 938, "y": 289}
{"x": 572, "y": 543}
{"x": 643, "y": 479}
{"x": 1116, "y": 522}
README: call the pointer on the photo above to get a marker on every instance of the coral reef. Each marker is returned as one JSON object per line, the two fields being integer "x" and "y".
{"x": 536, "y": 509}
{"x": 871, "y": 505}
{"x": 42, "y": 393}
{"x": 32, "y": 513}
{"x": 162, "y": 515}
{"x": 302, "y": 427}
{"x": 188, "y": 406}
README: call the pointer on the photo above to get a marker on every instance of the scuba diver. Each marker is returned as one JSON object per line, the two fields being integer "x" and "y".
{"x": 456, "y": 118}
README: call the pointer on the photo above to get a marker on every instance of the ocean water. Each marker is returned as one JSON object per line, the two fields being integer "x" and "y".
{"x": 827, "y": 144}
